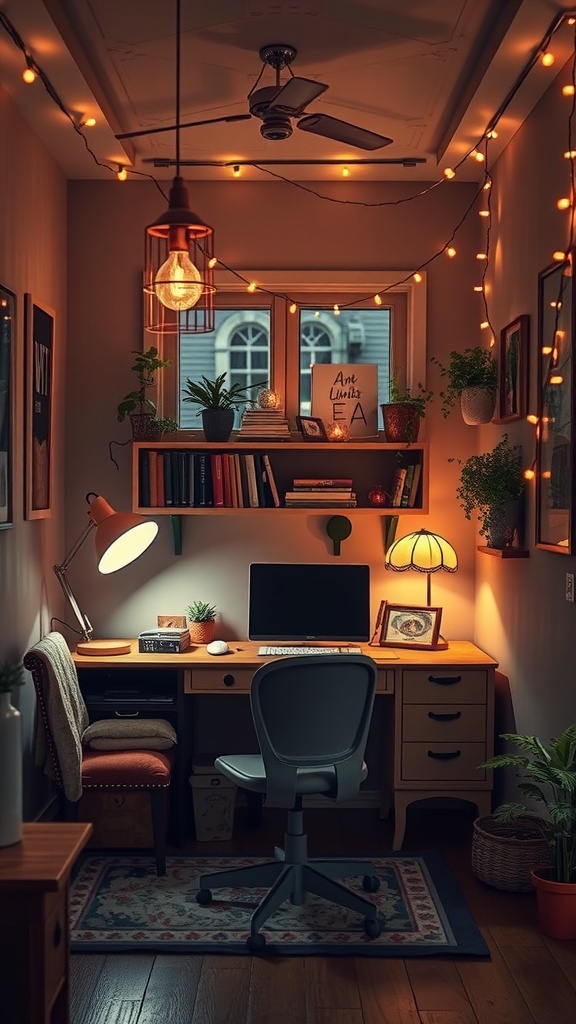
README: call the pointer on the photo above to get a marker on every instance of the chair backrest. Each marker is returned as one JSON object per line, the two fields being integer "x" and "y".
{"x": 313, "y": 710}
{"x": 62, "y": 714}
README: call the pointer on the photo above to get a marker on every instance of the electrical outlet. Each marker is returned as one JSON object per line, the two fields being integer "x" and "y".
{"x": 570, "y": 587}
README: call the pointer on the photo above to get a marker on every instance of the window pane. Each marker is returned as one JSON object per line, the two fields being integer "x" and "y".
{"x": 239, "y": 346}
{"x": 354, "y": 336}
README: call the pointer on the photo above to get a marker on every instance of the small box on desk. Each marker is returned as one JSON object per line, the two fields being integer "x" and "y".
{"x": 163, "y": 641}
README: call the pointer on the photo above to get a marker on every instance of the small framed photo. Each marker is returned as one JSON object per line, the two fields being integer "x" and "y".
{"x": 410, "y": 626}
{"x": 513, "y": 370}
{"x": 311, "y": 428}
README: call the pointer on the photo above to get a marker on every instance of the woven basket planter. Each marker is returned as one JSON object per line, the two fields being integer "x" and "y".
{"x": 504, "y": 854}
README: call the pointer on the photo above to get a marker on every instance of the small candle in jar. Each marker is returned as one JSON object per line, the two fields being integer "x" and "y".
{"x": 338, "y": 432}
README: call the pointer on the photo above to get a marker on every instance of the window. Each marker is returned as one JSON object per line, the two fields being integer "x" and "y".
{"x": 256, "y": 337}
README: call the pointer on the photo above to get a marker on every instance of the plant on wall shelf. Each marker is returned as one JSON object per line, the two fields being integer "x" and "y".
{"x": 217, "y": 403}
{"x": 137, "y": 402}
{"x": 402, "y": 414}
{"x": 472, "y": 379}
{"x": 492, "y": 484}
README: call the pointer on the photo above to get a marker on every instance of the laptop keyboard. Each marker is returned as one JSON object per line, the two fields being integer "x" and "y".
{"x": 275, "y": 651}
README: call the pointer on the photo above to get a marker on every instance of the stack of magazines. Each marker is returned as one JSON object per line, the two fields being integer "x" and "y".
{"x": 264, "y": 424}
{"x": 316, "y": 492}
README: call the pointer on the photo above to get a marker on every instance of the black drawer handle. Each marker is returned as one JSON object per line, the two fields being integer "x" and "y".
{"x": 445, "y": 680}
{"x": 445, "y": 716}
{"x": 447, "y": 755}
{"x": 127, "y": 714}
{"x": 228, "y": 680}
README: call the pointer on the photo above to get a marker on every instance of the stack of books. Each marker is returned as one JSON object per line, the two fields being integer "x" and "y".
{"x": 264, "y": 424}
{"x": 405, "y": 486}
{"x": 316, "y": 492}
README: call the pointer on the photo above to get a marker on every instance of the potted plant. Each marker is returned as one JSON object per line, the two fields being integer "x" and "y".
{"x": 492, "y": 484}
{"x": 218, "y": 403}
{"x": 402, "y": 414}
{"x": 11, "y": 675}
{"x": 548, "y": 776}
{"x": 473, "y": 381}
{"x": 136, "y": 404}
{"x": 201, "y": 618}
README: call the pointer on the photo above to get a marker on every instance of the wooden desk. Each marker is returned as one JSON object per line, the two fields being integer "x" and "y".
{"x": 34, "y": 935}
{"x": 443, "y": 721}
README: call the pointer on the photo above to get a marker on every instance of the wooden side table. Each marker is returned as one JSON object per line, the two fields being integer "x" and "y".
{"x": 35, "y": 933}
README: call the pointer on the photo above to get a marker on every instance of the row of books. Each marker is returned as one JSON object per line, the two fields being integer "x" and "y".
{"x": 405, "y": 486}
{"x": 318, "y": 492}
{"x": 185, "y": 479}
{"x": 270, "y": 424}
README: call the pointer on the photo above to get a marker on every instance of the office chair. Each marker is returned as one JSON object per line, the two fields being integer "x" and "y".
{"x": 311, "y": 714}
{"x": 64, "y": 718}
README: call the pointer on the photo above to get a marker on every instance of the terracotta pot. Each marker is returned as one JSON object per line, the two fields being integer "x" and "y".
{"x": 556, "y": 905}
{"x": 477, "y": 405}
{"x": 217, "y": 424}
{"x": 201, "y": 632}
{"x": 142, "y": 428}
{"x": 401, "y": 422}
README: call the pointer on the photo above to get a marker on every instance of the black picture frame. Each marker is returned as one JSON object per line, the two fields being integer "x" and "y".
{"x": 513, "y": 376}
{"x": 554, "y": 432}
{"x": 39, "y": 326}
{"x": 311, "y": 428}
{"x": 7, "y": 321}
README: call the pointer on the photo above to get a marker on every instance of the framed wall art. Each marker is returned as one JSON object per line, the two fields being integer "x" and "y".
{"x": 39, "y": 326}
{"x": 7, "y": 314}
{"x": 312, "y": 428}
{"x": 554, "y": 440}
{"x": 513, "y": 370}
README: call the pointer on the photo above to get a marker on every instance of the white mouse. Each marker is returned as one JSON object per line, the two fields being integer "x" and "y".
{"x": 217, "y": 647}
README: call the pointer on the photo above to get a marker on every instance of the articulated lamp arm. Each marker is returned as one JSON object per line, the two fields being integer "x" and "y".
{"x": 86, "y": 628}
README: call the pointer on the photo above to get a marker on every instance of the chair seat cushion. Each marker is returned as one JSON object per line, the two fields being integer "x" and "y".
{"x": 121, "y": 734}
{"x": 126, "y": 769}
{"x": 247, "y": 771}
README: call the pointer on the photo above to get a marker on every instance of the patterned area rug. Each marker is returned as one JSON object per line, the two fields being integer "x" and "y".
{"x": 120, "y": 904}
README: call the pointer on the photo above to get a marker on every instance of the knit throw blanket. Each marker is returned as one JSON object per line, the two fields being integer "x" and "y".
{"x": 66, "y": 712}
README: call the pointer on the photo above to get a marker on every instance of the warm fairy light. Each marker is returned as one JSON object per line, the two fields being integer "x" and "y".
{"x": 481, "y": 255}
{"x": 378, "y": 300}
{"x": 547, "y": 59}
{"x": 478, "y": 287}
{"x": 28, "y": 75}
{"x": 546, "y": 350}
{"x": 122, "y": 173}
{"x": 236, "y": 171}
{"x": 556, "y": 378}
{"x": 477, "y": 155}
{"x": 492, "y": 341}
{"x": 449, "y": 173}
{"x": 89, "y": 122}
{"x": 251, "y": 287}
{"x": 546, "y": 475}
{"x": 417, "y": 277}
{"x": 564, "y": 203}
{"x": 570, "y": 154}
{"x": 571, "y": 21}
{"x": 212, "y": 262}
{"x": 532, "y": 418}
{"x": 529, "y": 474}
{"x": 567, "y": 90}
{"x": 484, "y": 213}
{"x": 336, "y": 309}
{"x": 293, "y": 307}
{"x": 558, "y": 255}
{"x": 451, "y": 252}
{"x": 345, "y": 172}
{"x": 487, "y": 185}
{"x": 491, "y": 134}
{"x": 484, "y": 325}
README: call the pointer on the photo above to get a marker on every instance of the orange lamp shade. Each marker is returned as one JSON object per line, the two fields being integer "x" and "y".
{"x": 120, "y": 537}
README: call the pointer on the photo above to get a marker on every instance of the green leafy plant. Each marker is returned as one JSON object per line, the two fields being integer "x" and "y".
{"x": 547, "y": 776}
{"x": 472, "y": 368}
{"x": 488, "y": 482}
{"x": 420, "y": 399}
{"x": 11, "y": 675}
{"x": 213, "y": 394}
{"x": 145, "y": 366}
{"x": 201, "y": 611}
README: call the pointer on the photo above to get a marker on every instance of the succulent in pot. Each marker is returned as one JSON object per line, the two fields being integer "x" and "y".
{"x": 472, "y": 381}
{"x": 218, "y": 403}
{"x": 201, "y": 618}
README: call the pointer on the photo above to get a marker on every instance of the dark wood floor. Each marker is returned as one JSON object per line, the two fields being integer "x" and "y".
{"x": 527, "y": 980}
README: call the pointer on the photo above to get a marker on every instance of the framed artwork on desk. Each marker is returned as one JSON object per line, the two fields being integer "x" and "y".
{"x": 411, "y": 626}
{"x": 39, "y": 324}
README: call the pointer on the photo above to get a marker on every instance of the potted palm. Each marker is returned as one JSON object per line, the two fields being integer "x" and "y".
{"x": 548, "y": 776}
{"x": 472, "y": 381}
{"x": 492, "y": 484}
{"x": 218, "y": 403}
{"x": 146, "y": 426}
{"x": 402, "y": 414}
{"x": 11, "y": 675}
{"x": 201, "y": 619}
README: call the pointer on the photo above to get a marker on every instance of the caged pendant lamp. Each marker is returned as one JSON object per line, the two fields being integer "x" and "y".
{"x": 179, "y": 254}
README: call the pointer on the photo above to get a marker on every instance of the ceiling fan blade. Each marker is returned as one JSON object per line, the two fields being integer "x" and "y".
{"x": 187, "y": 124}
{"x": 341, "y": 131}
{"x": 297, "y": 94}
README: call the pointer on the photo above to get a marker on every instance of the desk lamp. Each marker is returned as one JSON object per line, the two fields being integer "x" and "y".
{"x": 120, "y": 538}
{"x": 423, "y": 551}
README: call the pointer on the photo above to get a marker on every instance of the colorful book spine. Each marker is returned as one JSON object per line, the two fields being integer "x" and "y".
{"x": 414, "y": 488}
{"x": 251, "y": 480}
{"x": 271, "y": 481}
{"x": 153, "y": 477}
{"x": 398, "y": 486}
{"x": 407, "y": 487}
{"x": 217, "y": 480}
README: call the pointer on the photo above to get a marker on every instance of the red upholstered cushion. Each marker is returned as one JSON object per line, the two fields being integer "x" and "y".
{"x": 126, "y": 768}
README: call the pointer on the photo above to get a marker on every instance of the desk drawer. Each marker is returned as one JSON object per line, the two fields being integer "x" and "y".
{"x": 384, "y": 681}
{"x": 444, "y": 722}
{"x": 219, "y": 679}
{"x": 444, "y": 686}
{"x": 443, "y": 762}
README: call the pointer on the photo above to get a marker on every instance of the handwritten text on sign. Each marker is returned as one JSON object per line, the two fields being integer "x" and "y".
{"x": 346, "y": 393}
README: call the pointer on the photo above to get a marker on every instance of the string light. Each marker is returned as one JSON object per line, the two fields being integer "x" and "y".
{"x": 345, "y": 172}
{"x": 450, "y": 252}
{"x": 29, "y": 75}
{"x": 477, "y": 155}
{"x": 564, "y": 203}
{"x": 492, "y": 134}
{"x": 484, "y": 325}
{"x": 532, "y": 418}
{"x": 559, "y": 256}
{"x": 90, "y": 122}
{"x": 293, "y": 307}
{"x": 378, "y": 300}
{"x": 484, "y": 213}
{"x": 236, "y": 170}
{"x": 212, "y": 262}
{"x": 567, "y": 90}
{"x": 417, "y": 277}
{"x": 481, "y": 255}
{"x": 449, "y": 173}
{"x": 547, "y": 59}
{"x": 122, "y": 173}
{"x": 251, "y": 287}
{"x": 478, "y": 287}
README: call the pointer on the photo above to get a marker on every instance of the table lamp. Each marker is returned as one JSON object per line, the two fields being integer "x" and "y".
{"x": 423, "y": 551}
{"x": 120, "y": 538}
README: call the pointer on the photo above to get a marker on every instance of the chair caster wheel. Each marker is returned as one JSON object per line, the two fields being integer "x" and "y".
{"x": 370, "y": 883}
{"x": 255, "y": 943}
{"x": 372, "y": 927}
{"x": 204, "y": 897}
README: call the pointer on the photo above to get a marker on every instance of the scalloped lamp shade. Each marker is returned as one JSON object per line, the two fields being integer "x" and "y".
{"x": 424, "y": 552}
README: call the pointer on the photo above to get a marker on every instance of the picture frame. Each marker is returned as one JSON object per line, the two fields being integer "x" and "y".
{"x": 513, "y": 379}
{"x": 7, "y": 322}
{"x": 312, "y": 428}
{"x": 555, "y": 530}
{"x": 39, "y": 329}
{"x": 413, "y": 626}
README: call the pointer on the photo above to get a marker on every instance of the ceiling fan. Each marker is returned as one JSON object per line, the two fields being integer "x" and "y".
{"x": 277, "y": 105}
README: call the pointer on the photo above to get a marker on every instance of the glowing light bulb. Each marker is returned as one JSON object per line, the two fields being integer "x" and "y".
{"x": 563, "y": 204}
{"x": 546, "y": 350}
{"x": 487, "y": 185}
{"x": 529, "y": 474}
{"x": 345, "y": 172}
{"x": 293, "y": 307}
{"x": 417, "y": 277}
{"x": 251, "y": 287}
{"x": 484, "y": 325}
{"x": 336, "y": 309}
{"x": 547, "y": 59}
{"x": 476, "y": 155}
{"x": 558, "y": 255}
{"x": 449, "y": 173}
{"x": 378, "y": 300}
{"x": 484, "y": 213}
{"x": 570, "y": 154}
{"x": 478, "y": 288}
{"x": 122, "y": 173}
{"x": 567, "y": 90}
{"x": 28, "y": 76}
{"x": 532, "y": 418}
{"x": 451, "y": 252}
{"x": 212, "y": 262}
{"x": 491, "y": 134}
{"x": 481, "y": 255}
{"x": 236, "y": 171}
{"x": 178, "y": 284}
{"x": 557, "y": 378}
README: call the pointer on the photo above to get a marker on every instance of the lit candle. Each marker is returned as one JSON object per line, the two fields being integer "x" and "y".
{"x": 338, "y": 432}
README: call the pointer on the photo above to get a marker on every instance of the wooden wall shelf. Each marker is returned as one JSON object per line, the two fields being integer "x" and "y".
{"x": 504, "y": 552}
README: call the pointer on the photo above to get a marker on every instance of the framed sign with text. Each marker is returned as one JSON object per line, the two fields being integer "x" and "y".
{"x": 39, "y": 324}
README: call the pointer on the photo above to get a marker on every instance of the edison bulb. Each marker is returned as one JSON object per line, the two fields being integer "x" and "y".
{"x": 178, "y": 284}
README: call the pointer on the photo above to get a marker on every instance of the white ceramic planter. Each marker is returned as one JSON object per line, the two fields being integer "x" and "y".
{"x": 10, "y": 772}
{"x": 477, "y": 405}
